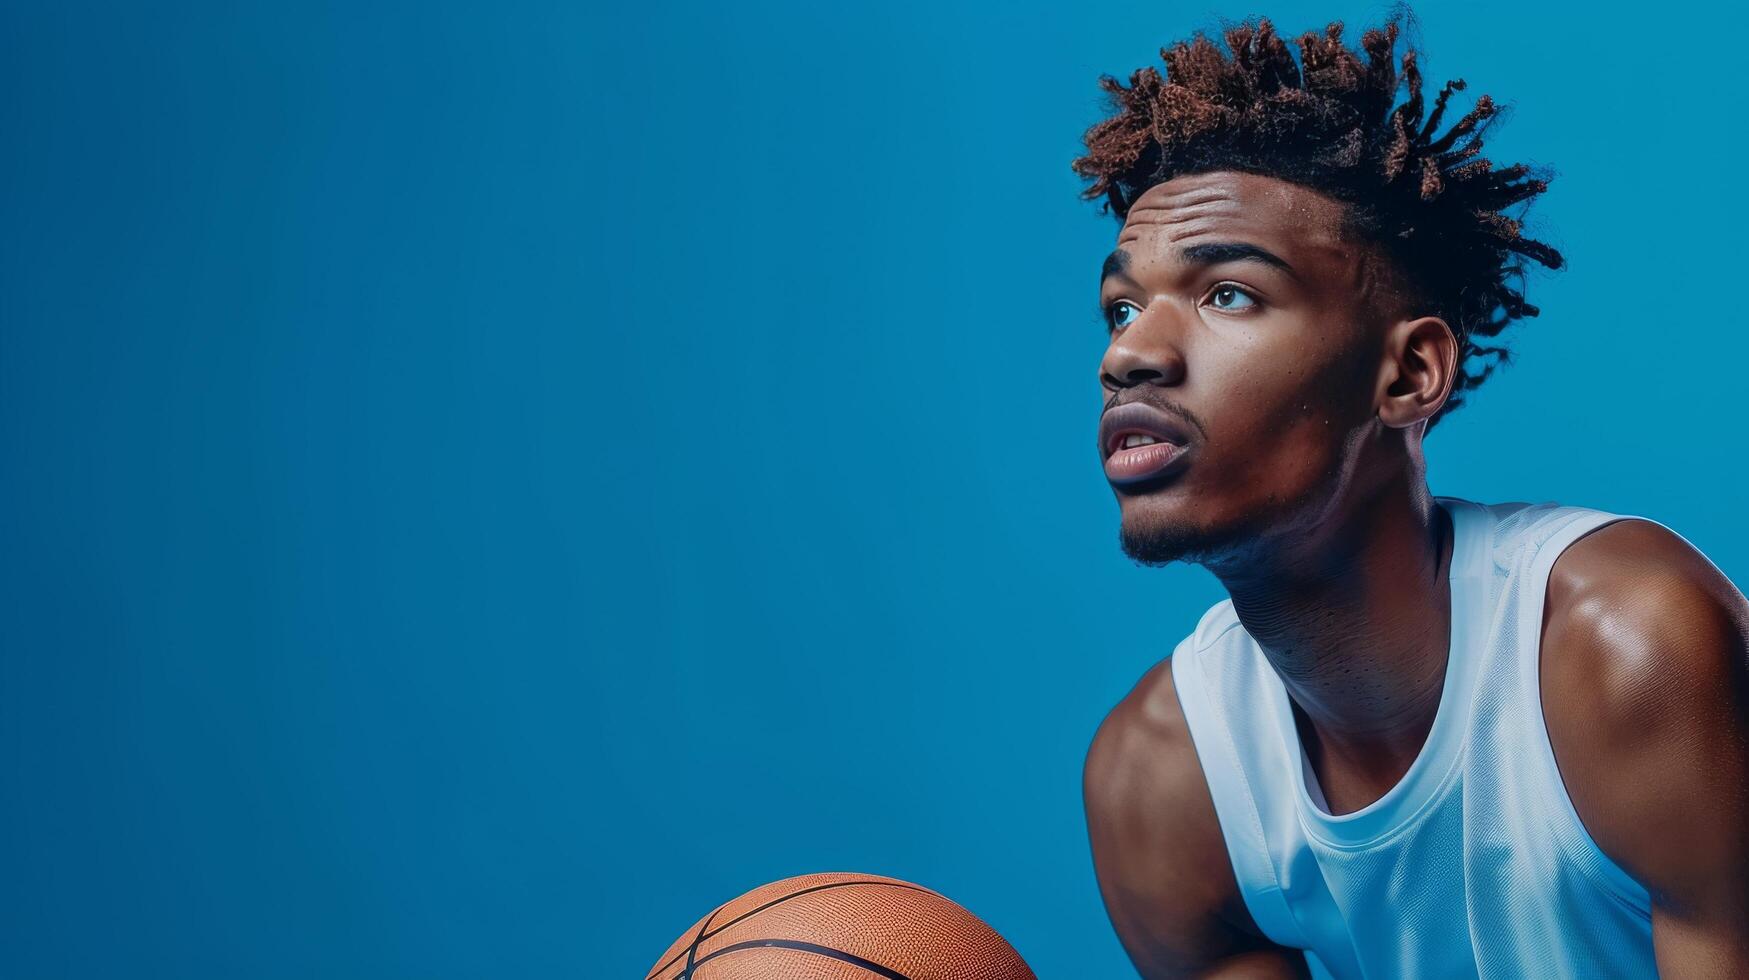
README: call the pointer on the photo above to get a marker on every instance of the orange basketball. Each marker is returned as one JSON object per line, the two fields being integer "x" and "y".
{"x": 840, "y": 927}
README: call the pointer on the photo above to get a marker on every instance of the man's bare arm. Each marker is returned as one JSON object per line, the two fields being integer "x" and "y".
{"x": 1157, "y": 848}
{"x": 1646, "y": 694}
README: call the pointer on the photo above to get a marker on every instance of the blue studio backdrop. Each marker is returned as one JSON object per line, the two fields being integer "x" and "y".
{"x": 485, "y": 483}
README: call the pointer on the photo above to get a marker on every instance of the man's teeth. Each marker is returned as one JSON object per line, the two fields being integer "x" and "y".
{"x": 1132, "y": 440}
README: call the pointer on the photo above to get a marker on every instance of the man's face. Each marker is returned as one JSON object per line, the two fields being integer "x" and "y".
{"x": 1240, "y": 337}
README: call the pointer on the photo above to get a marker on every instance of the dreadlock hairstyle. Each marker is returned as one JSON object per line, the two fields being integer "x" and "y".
{"x": 1331, "y": 122}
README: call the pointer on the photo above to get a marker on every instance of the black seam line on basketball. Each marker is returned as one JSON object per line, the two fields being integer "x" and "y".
{"x": 779, "y": 901}
{"x": 692, "y": 951}
{"x": 796, "y": 944}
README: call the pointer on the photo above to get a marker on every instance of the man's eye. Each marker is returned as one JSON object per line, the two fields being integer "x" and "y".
{"x": 1230, "y": 297}
{"x": 1115, "y": 314}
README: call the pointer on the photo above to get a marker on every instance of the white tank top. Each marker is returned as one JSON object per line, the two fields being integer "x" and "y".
{"x": 1475, "y": 864}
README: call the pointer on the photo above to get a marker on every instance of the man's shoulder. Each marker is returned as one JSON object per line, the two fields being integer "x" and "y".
{"x": 1147, "y": 730}
{"x": 1148, "y": 725}
{"x": 1143, "y": 737}
{"x": 1645, "y": 690}
{"x": 1637, "y": 622}
{"x": 1157, "y": 845}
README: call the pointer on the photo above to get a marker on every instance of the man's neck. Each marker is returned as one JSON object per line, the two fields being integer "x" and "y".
{"x": 1357, "y": 623}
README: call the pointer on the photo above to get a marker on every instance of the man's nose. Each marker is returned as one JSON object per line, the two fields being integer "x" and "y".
{"x": 1148, "y": 351}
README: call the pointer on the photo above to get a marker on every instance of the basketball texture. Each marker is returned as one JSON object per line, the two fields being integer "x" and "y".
{"x": 840, "y": 927}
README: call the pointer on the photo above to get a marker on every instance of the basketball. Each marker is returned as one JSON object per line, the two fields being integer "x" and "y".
{"x": 840, "y": 927}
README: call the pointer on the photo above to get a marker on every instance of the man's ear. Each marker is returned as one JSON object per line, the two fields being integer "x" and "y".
{"x": 1419, "y": 369}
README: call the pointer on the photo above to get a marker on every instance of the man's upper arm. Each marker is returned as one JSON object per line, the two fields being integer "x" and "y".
{"x": 1157, "y": 847}
{"x": 1646, "y": 693}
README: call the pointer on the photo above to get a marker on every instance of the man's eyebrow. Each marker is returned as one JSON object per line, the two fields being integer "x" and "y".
{"x": 1212, "y": 253}
{"x": 1215, "y": 253}
{"x": 1116, "y": 264}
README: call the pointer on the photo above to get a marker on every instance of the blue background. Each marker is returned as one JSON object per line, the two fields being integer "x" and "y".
{"x": 484, "y": 484}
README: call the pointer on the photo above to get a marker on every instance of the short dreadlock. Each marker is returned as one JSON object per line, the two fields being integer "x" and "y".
{"x": 1330, "y": 121}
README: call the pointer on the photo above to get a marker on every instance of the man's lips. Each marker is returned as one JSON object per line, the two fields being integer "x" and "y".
{"x": 1139, "y": 442}
{"x": 1127, "y": 466}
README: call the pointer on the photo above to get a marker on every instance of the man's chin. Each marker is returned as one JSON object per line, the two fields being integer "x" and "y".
{"x": 1154, "y": 542}
{"x": 1160, "y": 532}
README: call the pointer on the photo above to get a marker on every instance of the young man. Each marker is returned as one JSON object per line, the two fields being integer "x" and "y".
{"x": 1424, "y": 737}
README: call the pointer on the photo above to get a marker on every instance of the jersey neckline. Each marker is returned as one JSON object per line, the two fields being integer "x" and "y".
{"x": 1438, "y": 757}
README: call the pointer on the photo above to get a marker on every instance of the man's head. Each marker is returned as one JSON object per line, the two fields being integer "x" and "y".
{"x": 1305, "y": 267}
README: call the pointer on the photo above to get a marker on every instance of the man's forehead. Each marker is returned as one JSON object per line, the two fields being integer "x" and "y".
{"x": 1222, "y": 204}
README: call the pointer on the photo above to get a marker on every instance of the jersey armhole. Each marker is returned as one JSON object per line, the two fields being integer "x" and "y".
{"x": 1241, "y": 826}
{"x": 1598, "y": 866}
